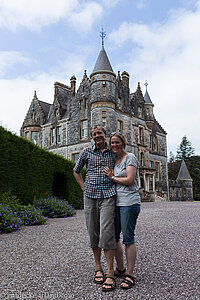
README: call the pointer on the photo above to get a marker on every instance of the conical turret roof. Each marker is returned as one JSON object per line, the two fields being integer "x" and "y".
{"x": 102, "y": 63}
{"x": 147, "y": 98}
{"x": 183, "y": 172}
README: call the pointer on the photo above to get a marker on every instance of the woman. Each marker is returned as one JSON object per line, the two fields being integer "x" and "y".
{"x": 126, "y": 177}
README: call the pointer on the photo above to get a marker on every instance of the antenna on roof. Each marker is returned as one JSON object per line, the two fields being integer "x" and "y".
{"x": 102, "y": 35}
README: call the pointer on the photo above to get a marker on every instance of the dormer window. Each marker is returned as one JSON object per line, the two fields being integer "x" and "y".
{"x": 56, "y": 112}
{"x": 140, "y": 112}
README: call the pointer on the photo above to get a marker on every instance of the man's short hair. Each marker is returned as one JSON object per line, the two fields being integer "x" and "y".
{"x": 95, "y": 127}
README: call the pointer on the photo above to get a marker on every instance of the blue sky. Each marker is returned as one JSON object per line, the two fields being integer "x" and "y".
{"x": 44, "y": 41}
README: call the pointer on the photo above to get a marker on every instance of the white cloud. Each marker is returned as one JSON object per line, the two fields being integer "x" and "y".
{"x": 86, "y": 16}
{"x": 16, "y": 97}
{"x": 37, "y": 13}
{"x": 110, "y": 3}
{"x": 17, "y": 94}
{"x": 10, "y": 58}
{"x": 167, "y": 55}
{"x": 141, "y": 4}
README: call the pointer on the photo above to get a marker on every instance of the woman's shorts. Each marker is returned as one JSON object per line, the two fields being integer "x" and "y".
{"x": 125, "y": 222}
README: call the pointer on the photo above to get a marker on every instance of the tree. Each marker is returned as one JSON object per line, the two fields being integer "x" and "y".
{"x": 185, "y": 150}
{"x": 171, "y": 157}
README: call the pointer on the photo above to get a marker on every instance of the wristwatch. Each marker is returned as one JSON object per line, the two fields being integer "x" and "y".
{"x": 113, "y": 177}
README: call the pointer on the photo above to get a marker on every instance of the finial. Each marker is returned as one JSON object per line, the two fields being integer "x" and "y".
{"x": 102, "y": 35}
{"x": 85, "y": 74}
{"x": 35, "y": 95}
{"x": 146, "y": 83}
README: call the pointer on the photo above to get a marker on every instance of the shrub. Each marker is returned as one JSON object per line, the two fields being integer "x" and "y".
{"x": 30, "y": 170}
{"x": 9, "y": 221}
{"x": 54, "y": 207}
{"x": 8, "y": 199}
{"x": 197, "y": 197}
{"x": 29, "y": 214}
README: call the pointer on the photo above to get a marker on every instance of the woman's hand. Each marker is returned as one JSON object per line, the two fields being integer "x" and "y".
{"x": 109, "y": 173}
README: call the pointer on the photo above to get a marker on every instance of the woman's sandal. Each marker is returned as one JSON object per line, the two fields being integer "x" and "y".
{"x": 108, "y": 287}
{"x": 96, "y": 277}
{"x": 129, "y": 284}
{"x": 119, "y": 273}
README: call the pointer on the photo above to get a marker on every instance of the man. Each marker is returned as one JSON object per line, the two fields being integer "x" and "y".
{"x": 99, "y": 203}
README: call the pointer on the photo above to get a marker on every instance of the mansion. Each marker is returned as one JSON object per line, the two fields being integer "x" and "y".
{"x": 103, "y": 98}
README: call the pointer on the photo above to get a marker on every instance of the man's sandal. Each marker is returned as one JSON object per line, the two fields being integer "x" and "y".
{"x": 119, "y": 273}
{"x": 96, "y": 277}
{"x": 108, "y": 287}
{"x": 129, "y": 283}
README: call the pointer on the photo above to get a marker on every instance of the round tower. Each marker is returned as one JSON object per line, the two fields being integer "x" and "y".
{"x": 103, "y": 92}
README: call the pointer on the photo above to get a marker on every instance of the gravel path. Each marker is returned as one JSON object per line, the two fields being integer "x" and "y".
{"x": 53, "y": 261}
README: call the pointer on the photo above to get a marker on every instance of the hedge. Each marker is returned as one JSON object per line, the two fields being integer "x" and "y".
{"x": 26, "y": 171}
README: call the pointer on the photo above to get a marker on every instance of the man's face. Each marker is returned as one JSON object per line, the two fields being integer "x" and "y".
{"x": 98, "y": 136}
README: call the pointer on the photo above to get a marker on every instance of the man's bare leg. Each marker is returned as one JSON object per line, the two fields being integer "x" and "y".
{"x": 109, "y": 254}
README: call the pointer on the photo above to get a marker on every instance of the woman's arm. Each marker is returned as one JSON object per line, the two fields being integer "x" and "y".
{"x": 128, "y": 180}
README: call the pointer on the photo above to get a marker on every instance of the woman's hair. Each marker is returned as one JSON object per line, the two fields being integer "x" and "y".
{"x": 121, "y": 137}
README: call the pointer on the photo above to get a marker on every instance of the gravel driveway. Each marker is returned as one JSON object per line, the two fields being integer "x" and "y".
{"x": 53, "y": 261}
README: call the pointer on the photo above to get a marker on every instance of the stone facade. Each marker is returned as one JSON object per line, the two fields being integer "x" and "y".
{"x": 181, "y": 189}
{"x": 103, "y": 98}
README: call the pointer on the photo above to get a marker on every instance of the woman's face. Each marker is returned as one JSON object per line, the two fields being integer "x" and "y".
{"x": 116, "y": 144}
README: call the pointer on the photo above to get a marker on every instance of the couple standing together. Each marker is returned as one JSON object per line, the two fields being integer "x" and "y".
{"x": 111, "y": 204}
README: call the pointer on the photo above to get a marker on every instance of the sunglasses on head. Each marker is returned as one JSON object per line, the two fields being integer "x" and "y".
{"x": 117, "y": 132}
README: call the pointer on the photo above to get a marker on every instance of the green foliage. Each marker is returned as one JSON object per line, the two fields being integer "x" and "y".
{"x": 29, "y": 214}
{"x": 171, "y": 157}
{"x": 184, "y": 150}
{"x": 8, "y": 199}
{"x": 54, "y": 207}
{"x": 9, "y": 221}
{"x": 27, "y": 171}
{"x": 173, "y": 169}
{"x": 197, "y": 197}
{"x": 194, "y": 169}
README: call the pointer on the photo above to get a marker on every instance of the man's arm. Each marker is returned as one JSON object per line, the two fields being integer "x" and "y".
{"x": 79, "y": 179}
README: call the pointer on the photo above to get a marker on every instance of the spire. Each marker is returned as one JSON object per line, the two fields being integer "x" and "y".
{"x": 102, "y": 63}
{"x": 35, "y": 96}
{"x": 147, "y": 98}
{"x": 183, "y": 172}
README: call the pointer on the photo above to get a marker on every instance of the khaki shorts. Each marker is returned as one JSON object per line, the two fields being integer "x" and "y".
{"x": 100, "y": 222}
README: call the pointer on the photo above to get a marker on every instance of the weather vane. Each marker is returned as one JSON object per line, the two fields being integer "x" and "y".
{"x": 146, "y": 83}
{"x": 102, "y": 35}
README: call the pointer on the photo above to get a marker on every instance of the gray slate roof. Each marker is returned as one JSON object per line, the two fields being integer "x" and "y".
{"x": 183, "y": 172}
{"x": 147, "y": 98}
{"x": 102, "y": 63}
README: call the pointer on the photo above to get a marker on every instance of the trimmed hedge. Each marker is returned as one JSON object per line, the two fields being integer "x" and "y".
{"x": 26, "y": 171}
